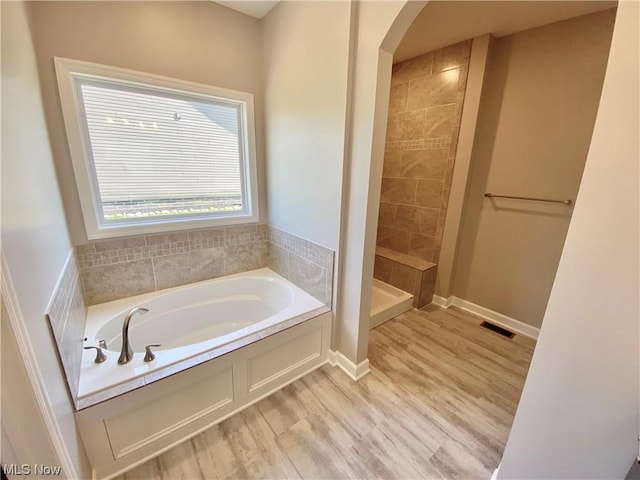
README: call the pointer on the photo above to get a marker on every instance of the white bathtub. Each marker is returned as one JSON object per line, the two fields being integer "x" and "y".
{"x": 193, "y": 323}
{"x": 226, "y": 344}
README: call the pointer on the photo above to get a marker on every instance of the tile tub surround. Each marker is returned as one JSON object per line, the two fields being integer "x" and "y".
{"x": 425, "y": 109}
{"x": 67, "y": 314}
{"x": 115, "y": 269}
{"x": 304, "y": 263}
{"x": 411, "y": 274}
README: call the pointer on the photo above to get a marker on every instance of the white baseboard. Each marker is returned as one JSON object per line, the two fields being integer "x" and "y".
{"x": 495, "y": 473}
{"x": 442, "y": 301}
{"x": 356, "y": 372}
{"x": 494, "y": 317}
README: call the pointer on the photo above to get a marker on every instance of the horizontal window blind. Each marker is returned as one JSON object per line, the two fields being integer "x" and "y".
{"x": 158, "y": 154}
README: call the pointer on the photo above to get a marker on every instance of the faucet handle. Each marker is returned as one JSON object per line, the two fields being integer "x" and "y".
{"x": 100, "y": 356}
{"x": 149, "y": 356}
{"x": 102, "y": 344}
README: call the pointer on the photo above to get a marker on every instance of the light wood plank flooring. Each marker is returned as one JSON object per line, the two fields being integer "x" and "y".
{"x": 438, "y": 403}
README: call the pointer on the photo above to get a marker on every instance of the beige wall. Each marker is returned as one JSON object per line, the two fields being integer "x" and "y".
{"x": 536, "y": 118}
{"x": 306, "y": 61}
{"x": 425, "y": 108}
{"x": 35, "y": 241}
{"x": 443, "y": 22}
{"x": 579, "y": 412}
{"x": 196, "y": 41}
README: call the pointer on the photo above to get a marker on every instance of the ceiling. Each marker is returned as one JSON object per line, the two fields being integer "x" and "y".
{"x": 257, "y": 9}
{"x": 443, "y": 23}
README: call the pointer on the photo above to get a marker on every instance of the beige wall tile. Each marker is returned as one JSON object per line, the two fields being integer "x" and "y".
{"x": 455, "y": 135}
{"x": 278, "y": 259}
{"x": 427, "y": 287}
{"x": 398, "y": 97}
{"x": 406, "y": 218}
{"x": 406, "y": 125}
{"x": 448, "y": 174}
{"x": 412, "y": 68}
{"x": 436, "y": 89}
{"x": 183, "y": 258}
{"x": 422, "y": 246}
{"x": 462, "y": 81}
{"x": 387, "y": 214}
{"x": 429, "y": 193}
{"x": 427, "y": 220}
{"x": 242, "y": 258}
{"x": 440, "y": 121}
{"x": 184, "y": 268}
{"x": 106, "y": 245}
{"x": 394, "y": 239}
{"x": 209, "y": 236}
{"x": 308, "y": 276}
{"x": 120, "y": 280}
{"x": 168, "y": 238}
{"x": 392, "y": 166}
{"x": 399, "y": 190}
{"x": 452, "y": 56}
{"x": 382, "y": 269}
{"x": 417, "y": 219}
{"x": 436, "y": 81}
{"x": 425, "y": 163}
{"x": 67, "y": 318}
{"x": 242, "y": 234}
{"x": 404, "y": 277}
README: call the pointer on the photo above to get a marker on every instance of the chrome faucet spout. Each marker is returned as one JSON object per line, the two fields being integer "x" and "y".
{"x": 127, "y": 353}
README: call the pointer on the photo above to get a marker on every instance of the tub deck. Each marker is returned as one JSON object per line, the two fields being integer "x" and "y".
{"x": 104, "y": 381}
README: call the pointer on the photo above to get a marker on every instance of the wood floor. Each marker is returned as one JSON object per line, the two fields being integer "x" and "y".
{"x": 438, "y": 403}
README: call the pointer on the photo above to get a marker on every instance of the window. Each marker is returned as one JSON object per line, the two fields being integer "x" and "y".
{"x": 154, "y": 154}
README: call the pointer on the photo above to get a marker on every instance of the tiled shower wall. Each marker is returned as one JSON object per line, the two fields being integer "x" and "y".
{"x": 114, "y": 269}
{"x": 427, "y": 94}
{"x": 67, "y": 317}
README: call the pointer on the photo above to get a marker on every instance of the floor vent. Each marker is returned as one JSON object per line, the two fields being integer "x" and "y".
{"x": 497, "y": 329}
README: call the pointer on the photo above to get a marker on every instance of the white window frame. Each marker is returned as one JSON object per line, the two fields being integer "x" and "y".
{"x": 68, "y": 70}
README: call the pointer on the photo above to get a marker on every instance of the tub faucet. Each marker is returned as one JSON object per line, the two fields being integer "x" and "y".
{"x": 127, "y": 353}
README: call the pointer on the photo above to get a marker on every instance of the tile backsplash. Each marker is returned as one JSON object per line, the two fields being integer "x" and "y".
{"x": 303, "y": 263}
{"x": 67, "y": 315}
{"x": 114, "y": 269}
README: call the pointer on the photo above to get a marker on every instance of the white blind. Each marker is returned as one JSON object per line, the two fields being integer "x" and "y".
{"x": 158, "y": 154}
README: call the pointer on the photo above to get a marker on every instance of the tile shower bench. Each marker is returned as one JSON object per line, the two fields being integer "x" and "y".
{"x": 408, "y": 273}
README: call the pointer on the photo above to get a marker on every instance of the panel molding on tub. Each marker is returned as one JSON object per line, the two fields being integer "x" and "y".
{"x": 127, "y": 430}
{"x": 131, "y": 430}
{"x": 265, "y": 367}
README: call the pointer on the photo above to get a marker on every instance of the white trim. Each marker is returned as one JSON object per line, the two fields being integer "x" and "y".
{"x": 494, "y": 317}
{"x": 494, "y": 476}
{"x": 18, "y": 325}
{"x": 442, "y": 302}
{"x": 68, "y": 71}
{"x": 356, "y": 372}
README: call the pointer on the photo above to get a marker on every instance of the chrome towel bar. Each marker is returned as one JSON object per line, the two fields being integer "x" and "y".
{"x": 548, "y": 200}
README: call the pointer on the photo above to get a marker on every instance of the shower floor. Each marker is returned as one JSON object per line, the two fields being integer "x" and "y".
{"x": 387, "y": 302}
